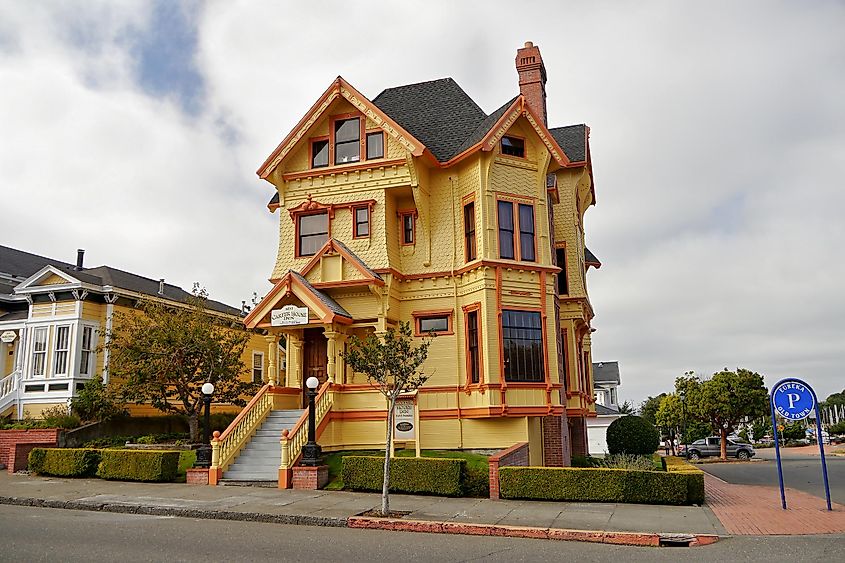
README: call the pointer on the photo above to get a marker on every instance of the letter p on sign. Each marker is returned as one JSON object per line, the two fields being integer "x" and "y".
{"x": 793, "y": 398}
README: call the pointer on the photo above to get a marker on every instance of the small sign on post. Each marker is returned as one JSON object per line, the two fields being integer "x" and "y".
{"x": 406, "y": 420}
{"x": 8, "y": 336}
{"x": 793, "y": 400}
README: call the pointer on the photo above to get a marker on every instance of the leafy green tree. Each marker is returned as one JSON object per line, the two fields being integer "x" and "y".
{"x": 793, "y": 431}
{"x": 724, "y": 400}
{"x": 163, "y": 354}
{"x": 761, "y": 427}
{"x": 670, "y": 417}
{"x": 626, "y": 408}
{"x": 648, "y": 408}
{"x": 98, "y": 402}
{"x": 834, "y": 399}
{"x": 838, "y": 428}
{"x": 392, "y": 366}
{"x": 632, "y": 435}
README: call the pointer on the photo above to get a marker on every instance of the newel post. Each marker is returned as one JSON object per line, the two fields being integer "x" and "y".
{"x": 285, "y": 472}
{"x": 214, "y": 470}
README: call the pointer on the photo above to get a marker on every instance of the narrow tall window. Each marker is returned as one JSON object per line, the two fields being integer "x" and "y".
{"x": 61, "y": 350}
{"x": 522, "y": 341}
{"x": 347, "y": 141}
{"x": 85, "y": 350}
{"x": 257, "y": 367}
{"x": 526, "y": 232}
{"x": 313, "y": 233}
{"x": 408, "y": 228}
{"x": 319, "y": 153}
{"x": 362, "y": 222}
{"x": 513, "y": 146}
{"x": 375, "y": 145}
{"x": 39, "y": 351}
{"x": 562, "y": 280}
{"x": 472, "y": 345}
{"x": 469, "y": 231}
{"x": 505, "y": 214}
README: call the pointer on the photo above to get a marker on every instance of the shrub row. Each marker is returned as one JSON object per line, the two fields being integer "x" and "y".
{"x": 593, "y": 485}
{"x": 693, "y": 475}
{"x": 423, "y": 475}
{"x": 64, "y": 462}
{"x": 127, "y": 465}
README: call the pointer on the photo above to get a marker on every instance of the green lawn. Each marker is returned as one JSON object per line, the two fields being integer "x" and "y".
{"x": 334, "y": 460}
{"x": 186, "y": 461}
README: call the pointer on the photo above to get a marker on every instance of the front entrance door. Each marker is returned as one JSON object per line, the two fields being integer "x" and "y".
{"x": 315, "y": 358}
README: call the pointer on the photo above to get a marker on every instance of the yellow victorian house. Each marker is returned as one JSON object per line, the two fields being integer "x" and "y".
{"x": 418, "y": 206}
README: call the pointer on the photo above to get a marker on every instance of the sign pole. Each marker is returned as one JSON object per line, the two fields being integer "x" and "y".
{"x": 777, "y": 449}
{"x": 821, "y": 451}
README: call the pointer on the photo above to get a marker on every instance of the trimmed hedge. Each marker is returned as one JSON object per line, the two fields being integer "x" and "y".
{"x": 693, "y": 475}
{"x": 139, "y": 465}
{"x": 64, "y": 462}
{"x": 593, "y": 485}
{"x": 422, "y": 475}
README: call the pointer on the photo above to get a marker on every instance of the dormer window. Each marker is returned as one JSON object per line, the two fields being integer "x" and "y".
{"x": 319, "y": 153}
{"x": 375, "y": 145}
{"x": 347, "y": 140}
{"x": 513, "y": 146}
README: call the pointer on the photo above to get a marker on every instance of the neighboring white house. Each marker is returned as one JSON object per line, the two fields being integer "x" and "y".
{"x": 606, "y": 380}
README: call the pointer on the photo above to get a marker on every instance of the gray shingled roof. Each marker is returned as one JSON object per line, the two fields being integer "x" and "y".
{"x": 358, "y": 259}
{"x": 573, "y": 140}
{"x": 447, "y": 121}
{"x": 602, "y": 410}
{"x": 327, "y": 300}
{"x": 606, "y": 372}
{"x": 23, "y": 264}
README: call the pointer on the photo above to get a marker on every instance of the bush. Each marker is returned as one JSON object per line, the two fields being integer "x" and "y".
{"x": 97, "y": 402}
{"x": 64, "y": 462}
{"x": 838, "y": 428}
{"x": 632, "y": 435}
{"x": 425, "y": 475}
{"x": 139, "y": 465}
{"x": 57, "y": 417}
{"x": 628, "y": 461}
{"x": 476, "y": 482}
{"x": 585, "y": 461}
{"x": 693, "y": 475}
{"x": 592, "y": 485}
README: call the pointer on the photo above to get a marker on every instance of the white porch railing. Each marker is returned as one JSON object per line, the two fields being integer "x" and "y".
{"x": 8, "y": 386}
{"x": 226, "y": 446}
{"x": 293, "y": 439}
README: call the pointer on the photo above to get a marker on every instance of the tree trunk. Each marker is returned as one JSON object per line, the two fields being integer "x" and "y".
{"x": 194, "y": 427}
{"x": 723, "y": 435}
{"x": 385, "y": 494}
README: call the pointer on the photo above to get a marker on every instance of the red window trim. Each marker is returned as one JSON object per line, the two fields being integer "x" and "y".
{"x": 402, "y": 213}
{"x": 355, "y": 209}
{"x": 362, "y": 148}
{"x": 448, "y": 313}
{"x": 473, "y": 308}
{"x": 517, "y": 253}
{"x": 546, "y": 375}
{"x": 383, "y": 144}
{"x": 562, "y": 246}
{"x": 464, "y": 203}
{"x": 311, "y": 142}
{"x": 296, "y": 229}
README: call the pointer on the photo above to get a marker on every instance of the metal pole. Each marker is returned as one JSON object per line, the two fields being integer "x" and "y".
{"x": 777, "y": 450}
{"x": 821, "y": 449}
{"x": 311, "y": 450}
{"x": 206, "y": 435}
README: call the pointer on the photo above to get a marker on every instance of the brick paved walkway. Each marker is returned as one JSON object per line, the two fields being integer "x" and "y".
{"x": 756, "y": 510}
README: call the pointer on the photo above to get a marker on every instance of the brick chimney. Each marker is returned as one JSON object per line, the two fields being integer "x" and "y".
{"x": 532, "y": 78}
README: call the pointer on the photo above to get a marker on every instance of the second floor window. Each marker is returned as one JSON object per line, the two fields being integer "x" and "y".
{"x": 86, "y": 350}
{"x": 526, "y": 232}
{"x": 347, "y": 140}
{"x": 39, "y": 351}
{"x": 362, "y": 222}
{"x": 522, "y": 346}
{"x": 61, "y": 351}
{"x": 408, "y": 227}
{"x": 313, "y": 233}
{"x": 562, "y": 280}
{"x": 512, "y": 222}
{"x": 505, "y": 214}
{"x": 473, "y": 338}
{"x": 469, "y": 231}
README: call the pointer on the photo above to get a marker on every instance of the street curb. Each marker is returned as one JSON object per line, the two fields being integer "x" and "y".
{"x": 644, "y": 539}
{"x": 153, "y": 510}
{"x": 363, "y": 522}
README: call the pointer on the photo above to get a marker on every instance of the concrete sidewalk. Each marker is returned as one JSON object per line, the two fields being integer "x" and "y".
{"x": 586, "y": 521}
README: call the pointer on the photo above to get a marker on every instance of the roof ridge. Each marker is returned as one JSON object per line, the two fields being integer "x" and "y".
{"x": 420, "y": 83}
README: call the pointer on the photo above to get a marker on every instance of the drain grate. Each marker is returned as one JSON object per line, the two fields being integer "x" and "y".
{"x": 676, "y": 540}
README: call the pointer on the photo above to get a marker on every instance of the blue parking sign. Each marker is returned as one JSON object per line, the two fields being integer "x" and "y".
{"x": 793, "y": 399}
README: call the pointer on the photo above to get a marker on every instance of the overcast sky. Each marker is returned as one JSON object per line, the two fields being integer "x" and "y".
{"x": 134, "y": 129}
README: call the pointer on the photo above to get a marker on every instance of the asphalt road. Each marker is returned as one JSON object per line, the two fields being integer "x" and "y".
{"x": 44, "y": 534}
{"x": 799, "y": 472}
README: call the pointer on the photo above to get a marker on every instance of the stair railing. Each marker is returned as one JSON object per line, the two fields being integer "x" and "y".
{"x": 8, "y": 385}
{"x": 226, "y": 446}
{"x": 293, "y": 439}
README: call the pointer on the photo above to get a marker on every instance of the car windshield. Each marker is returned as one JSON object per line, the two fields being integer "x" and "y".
{"x": 698, "y": 443}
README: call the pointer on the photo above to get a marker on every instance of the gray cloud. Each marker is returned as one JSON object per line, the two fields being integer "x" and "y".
{"x": 718, "y": 140}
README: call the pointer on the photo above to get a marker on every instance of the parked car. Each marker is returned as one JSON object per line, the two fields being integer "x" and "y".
{"x": 711, "y": 446}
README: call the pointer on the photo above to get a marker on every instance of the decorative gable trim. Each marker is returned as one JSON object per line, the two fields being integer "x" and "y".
{"x": 32, "y": 284}
{"x": 339, "y": 88}
{"x": 332, "y": 246}
{"x": 291, "y": 285}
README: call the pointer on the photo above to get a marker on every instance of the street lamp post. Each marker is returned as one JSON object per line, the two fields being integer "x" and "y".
{"x": 311, "y": 450}
{"x": 204, "y": 451}
{"x": 683, "y": 396}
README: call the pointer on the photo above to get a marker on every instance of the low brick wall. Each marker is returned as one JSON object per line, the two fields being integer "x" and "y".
{"x": 15, "y": 445}
{"x": 514, "y": 456}
{"x": 197, "y": 476}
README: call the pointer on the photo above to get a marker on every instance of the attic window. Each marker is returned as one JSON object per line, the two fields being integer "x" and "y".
{"x": 513, "y": 146}
{"x": 319, "y": 153}
{"x": 375, "y": 145}
{"x": 347, "y": 140}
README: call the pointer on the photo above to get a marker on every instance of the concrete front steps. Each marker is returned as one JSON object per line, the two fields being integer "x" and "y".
{"x": 258, "y": 462}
